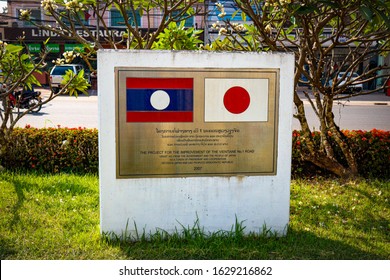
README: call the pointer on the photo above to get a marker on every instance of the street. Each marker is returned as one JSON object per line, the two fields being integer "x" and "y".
{"x": 363, "y": 112}
{"x": 65, "y": 111}
{"x": 354, "y": 115}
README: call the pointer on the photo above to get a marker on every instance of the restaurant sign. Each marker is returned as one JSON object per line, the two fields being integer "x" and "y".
{"x": 36, "y": 34}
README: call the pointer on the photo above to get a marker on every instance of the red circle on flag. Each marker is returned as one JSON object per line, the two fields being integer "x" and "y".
{"x": 236, "y": 100}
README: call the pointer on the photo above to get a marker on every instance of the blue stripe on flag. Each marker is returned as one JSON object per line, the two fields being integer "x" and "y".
{"x": 139, "y": 100}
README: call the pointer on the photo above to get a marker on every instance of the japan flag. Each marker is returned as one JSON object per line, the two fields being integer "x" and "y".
{"x": 236, "y": 100}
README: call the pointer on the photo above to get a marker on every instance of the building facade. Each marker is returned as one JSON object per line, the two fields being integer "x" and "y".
{"x": 11, "y": 28}
{"x": 15, "y": 28}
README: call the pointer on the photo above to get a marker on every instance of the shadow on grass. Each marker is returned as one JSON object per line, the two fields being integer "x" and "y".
{"x": 19, "y": 190}
{"x": 6, "y": 249}
{"x": 22, "y": 185}
{"x": 297, "y": 245}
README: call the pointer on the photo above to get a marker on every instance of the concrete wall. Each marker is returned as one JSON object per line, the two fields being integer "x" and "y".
{"x": 166, "y": 203}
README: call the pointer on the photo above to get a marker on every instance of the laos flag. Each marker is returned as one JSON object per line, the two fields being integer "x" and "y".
{"x": 159, "y": 99}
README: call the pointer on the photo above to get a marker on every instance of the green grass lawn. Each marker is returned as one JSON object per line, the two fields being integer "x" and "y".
{"x": 57, "y": 217}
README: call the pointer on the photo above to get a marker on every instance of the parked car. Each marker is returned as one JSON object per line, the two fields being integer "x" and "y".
{"x": 58, "y": 71}
{"x": 355, "y": 86}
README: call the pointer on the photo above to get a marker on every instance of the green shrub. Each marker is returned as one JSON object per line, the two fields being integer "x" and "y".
{"x": 52, "y": 150}
{"x": 371, "y": 149}
{"x": 75, "y": 150}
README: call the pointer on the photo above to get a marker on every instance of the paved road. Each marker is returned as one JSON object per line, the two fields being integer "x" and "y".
{"x": 363, "y": 112}
{"x": 65, "y": 111}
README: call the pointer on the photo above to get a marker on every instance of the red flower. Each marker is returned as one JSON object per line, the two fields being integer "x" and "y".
{"x": 296, "y": 133}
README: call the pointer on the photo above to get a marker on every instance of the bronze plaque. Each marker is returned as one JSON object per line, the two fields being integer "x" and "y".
{"x": 196, "y": 122}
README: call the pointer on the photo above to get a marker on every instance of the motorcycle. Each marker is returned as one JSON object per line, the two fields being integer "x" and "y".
{"x": 26, "y": 99}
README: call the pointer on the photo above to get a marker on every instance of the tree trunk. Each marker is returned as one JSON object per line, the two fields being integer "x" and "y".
{"x": 323, "y": 155}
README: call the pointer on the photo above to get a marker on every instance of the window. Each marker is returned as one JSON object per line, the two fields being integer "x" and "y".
{"x": 61, "y": 70}
{"x": 83, "y": 17}
{"x": 118, "y": 20}
{"x": 230, "y": 9}
{"x": 35, "y": 16}
{"x": 189, "y": 22}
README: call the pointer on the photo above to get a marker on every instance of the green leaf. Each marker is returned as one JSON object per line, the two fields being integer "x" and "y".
{"x": 234, "y": 14}
{"x": 190, "y": 11}
{"x": 328, "y": 3}
{"x": 243, "y": 16}
{"x": 13, "y": 48}
{"x": 291, "y": 37}
{"x": 291, "y": 28}
{"x": 293, "y": 20}
{"x": 383, "y": 16}
{"x": 33, "y": 80}
{"x": 302, "y": 10}
{"x": 81, "y": 74}
{"x": 366, "y": 12}
{"x": 117, "y": 7}
{"x": 24, "y": 57}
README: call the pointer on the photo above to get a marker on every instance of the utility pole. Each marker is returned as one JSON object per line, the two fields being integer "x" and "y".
{"x": 97, "y": 21}
{"x": 206, "y": 21}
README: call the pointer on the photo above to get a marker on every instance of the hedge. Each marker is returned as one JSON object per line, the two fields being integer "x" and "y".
{"x": 52, "y": 150}
{"x": 75, "y": 150}
{"x": 371, "y": 150}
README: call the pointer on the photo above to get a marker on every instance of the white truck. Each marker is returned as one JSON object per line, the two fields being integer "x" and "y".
{"x": 57, "y": 74}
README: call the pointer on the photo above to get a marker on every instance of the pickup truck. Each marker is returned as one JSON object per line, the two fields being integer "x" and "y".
{"x": 58, "y": 71}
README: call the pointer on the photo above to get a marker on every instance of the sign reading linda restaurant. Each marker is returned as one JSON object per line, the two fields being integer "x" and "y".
{"x": 194, "y": 136}
{"x": 181, "y": 122}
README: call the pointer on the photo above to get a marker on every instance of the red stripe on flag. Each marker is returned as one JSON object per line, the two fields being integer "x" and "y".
{"x": 159, "y": 117}
{"x": 160, "y": 83}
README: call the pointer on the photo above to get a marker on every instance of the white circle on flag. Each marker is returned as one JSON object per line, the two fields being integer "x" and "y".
{"x": 160, "y": 100}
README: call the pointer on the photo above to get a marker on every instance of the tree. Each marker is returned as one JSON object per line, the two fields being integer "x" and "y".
{"x": 17, "y": 68}
{"x": 70, "y": 23}
{"x": 17, "y": 65}
{"x": 314, "y": 30}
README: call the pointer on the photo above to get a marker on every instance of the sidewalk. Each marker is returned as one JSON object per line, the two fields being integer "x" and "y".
{"x": 45, "y": 91}
{"x": 376, "y": 98}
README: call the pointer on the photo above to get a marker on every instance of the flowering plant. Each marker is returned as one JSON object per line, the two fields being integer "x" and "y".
{"x": 371, "y": 149}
